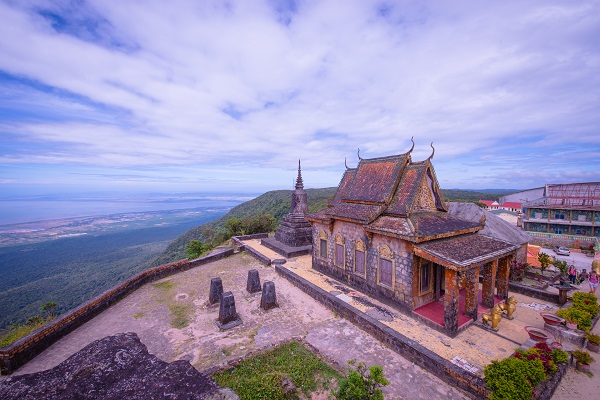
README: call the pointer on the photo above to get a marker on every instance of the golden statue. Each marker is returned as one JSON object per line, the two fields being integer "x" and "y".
{"x": 494, "y": 316}
{"x": 509, "y": 306}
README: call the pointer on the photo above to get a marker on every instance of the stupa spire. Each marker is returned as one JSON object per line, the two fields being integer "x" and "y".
{"x": 299, "y": 183}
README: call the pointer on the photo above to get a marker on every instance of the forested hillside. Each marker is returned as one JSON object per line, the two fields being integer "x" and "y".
{"x": 276, "y": 203}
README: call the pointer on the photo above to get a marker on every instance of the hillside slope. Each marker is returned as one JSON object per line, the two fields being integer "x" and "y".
{"x": 276, "y": 202}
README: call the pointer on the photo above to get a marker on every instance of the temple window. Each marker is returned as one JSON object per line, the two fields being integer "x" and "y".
{"x": 359, "y": 257}
{"x": 323, "y": 244}
{"x": 386, "y": 276}
{"x": 339, "y": 251}
{"x": 425, "y": 274}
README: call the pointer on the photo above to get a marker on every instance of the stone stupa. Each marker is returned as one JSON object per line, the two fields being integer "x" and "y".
{"x": 294, "y": 235}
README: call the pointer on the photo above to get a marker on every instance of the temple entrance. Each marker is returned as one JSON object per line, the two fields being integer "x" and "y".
{"x": 438, "y": 282}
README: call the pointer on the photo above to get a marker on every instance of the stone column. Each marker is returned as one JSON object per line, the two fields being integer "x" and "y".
{"x": 268, "y": 299}
{"x": 228, "y": 316}
{"x": 451, "y": 300}
{"x": 502, "y": 277}
{"x": 253, "y": 283}
{"x": 216, "y": 290}
{"x": 489, "y": 283}
{"x": 472, "y": 290}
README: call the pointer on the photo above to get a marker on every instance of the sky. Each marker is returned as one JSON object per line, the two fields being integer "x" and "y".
{"x": 136, "y": 96}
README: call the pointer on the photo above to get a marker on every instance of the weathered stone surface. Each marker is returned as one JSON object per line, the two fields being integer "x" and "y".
{"x": 253, "y": 284}
{"x": 228, "y": 316}
{"x": 115, "y": 367}
{"x": 269, "y": 298}
{"x": 216, "y": 290}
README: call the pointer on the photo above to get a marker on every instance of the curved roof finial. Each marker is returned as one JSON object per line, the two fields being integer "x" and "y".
{"x": 359, "y": 154}
{"x": 413, "y": 145}
{"x": 346, "y": 163}
{"x": 432, "y": 151}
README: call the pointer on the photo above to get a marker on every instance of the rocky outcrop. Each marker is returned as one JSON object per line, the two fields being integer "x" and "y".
{"x": 115, "y": 367}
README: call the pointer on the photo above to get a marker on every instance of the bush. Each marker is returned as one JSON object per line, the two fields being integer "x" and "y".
{"x": 513, "y": 378}
{"x": 576, "y": 315}
{"x": 586, "y": 302}
{"x": 583, "y": 357}
{"x": 541, "y": 352}
{"x": 362, "y": 383}
{"x": 560, "y": 356}
{"x": 517, "y": 271}
{"x": 592, "y": 338}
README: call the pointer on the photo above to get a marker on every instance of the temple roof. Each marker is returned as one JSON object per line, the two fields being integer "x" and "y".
{"x": 463, "y": 251}
{"x": 394, "y": 196}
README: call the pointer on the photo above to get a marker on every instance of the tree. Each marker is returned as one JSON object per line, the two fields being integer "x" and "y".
{"x": 544, "y": 260}
{"x": 362, "y": 383}
{"x": 195, "y": 249}
{"x": 49, "y": 307}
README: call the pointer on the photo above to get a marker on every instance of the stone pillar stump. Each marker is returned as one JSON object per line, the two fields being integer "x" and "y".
{"x": 228, "y": 317}
{"x": 268, "y": 299}
{"x": 216, "y": 291}
{"x": 253, "y": 284}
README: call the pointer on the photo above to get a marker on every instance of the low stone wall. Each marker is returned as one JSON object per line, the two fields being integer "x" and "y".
{"x": 24, "y": 349}
{"x": 533, "y": 292}
{"x": 240, "y": 246}
{"x": 425, "y": 358}
{"x": 545, "y": 390}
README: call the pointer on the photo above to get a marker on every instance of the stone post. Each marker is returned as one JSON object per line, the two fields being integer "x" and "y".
{"x": 228, "y": 317}
{"x": 253, "y": 284}
{"x": 502, "y": 277}
{"x": 216, "y": 291}
{"x": 472, "y": 290}
{"x": 451, "y": 300}
{"x": 489, "y": 283}
{"x": 268, "y": 299}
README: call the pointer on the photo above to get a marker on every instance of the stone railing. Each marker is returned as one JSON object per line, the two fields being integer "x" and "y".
{"x": 564, "y": 239}
{"x": 18, "y": 353}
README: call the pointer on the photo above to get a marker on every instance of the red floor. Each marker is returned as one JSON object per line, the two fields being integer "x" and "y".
{"x": 434, "y": 311}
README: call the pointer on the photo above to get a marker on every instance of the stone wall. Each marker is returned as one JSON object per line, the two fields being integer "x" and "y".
{"x": 533, "y": 292}
{"x": 399, "y": 293}
{"x": 425, "y": 358}
{"x": 26, "y": 348}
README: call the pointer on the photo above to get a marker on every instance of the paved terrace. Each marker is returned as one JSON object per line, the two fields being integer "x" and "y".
{"x": 149, "y": 313}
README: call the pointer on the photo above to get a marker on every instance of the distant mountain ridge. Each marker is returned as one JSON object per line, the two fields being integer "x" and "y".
{"x": 277, "y": 203}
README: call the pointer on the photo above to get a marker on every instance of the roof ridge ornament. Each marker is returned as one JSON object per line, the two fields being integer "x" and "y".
{"x": 413, "y": 145}
{"x": 359, "y": 154}
{"x": 346, "y": 163}
{"x": 432, "y": 151}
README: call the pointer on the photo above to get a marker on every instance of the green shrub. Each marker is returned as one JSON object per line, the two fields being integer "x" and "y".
{"x": 592, "y": 338}
{"x": 582, "y": 318}
{"x": 513, "y": 378}
{"x": 586, "y": 302}
{"x": 362, "y": 383}
{"x": 583, "y": 357}
{"x": 560, "y": 356}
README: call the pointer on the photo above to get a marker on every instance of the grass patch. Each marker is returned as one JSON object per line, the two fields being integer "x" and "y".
{"x": 260, "y": 377}
{"x": 16, "y": 332}
{"x": 179, "y": 315}
{"x": 139, "y": 315}
{"x": 164, "y": 285}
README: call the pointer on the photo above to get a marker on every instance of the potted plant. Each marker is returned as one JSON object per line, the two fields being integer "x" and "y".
{"x": 593, "y": 342}
{"x": 576, "y": 318}
{"x": 583, "y": 359}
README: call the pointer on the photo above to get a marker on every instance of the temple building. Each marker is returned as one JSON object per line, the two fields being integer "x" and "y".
{"x": 387, "y": 232}
{"x": 294, "y": 234}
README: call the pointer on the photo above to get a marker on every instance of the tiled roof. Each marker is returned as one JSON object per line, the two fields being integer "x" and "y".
{"x": 407, "y": 189}
{"x": 353, "y": 211}
{"x": 466, "y": 250}
{"x": 487, "y": 202}
{"x": 393, "y": 225}
{"x": 343, "y": 186}
{"x": 441, "y": 224}
{"x": 374, "y": 179}
{"x": 511, "y": 204}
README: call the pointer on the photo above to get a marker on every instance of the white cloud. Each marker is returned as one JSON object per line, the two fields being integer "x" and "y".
{"x": 193, "y": 83}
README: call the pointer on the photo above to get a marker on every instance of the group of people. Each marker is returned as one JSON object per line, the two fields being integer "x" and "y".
{"x": 578, "y": 278}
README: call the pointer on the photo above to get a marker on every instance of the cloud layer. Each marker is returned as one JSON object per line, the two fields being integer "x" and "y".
{"x": 182, "y": 91}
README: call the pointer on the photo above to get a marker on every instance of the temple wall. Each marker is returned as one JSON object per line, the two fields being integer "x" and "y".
{"x": 401, "y": 256}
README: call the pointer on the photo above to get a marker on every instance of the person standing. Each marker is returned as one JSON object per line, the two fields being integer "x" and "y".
{"x": 572, "y": 274}
{"x": 593, "y": 281}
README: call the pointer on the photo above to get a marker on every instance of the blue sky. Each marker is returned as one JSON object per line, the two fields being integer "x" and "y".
{"x": 226, "y": 96}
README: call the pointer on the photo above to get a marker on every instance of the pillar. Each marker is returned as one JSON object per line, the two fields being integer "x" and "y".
{"x": 253, "y": 283}
{"x": 472, "y": 290}
{"x": 268, "y": 299}
{"x": 216, "y": 291}
{"x": 228, "y": 316}
{"x": 451, "y": 300}
{"x": 489, "y": 283}
{"x": 502, "y": 277}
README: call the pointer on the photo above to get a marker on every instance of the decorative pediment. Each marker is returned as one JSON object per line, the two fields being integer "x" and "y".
{"x": 339, "y": 239}
{"x": 385, "y": 252}
{"x": 322, "y": 234}
{"x": 360, "y": 245}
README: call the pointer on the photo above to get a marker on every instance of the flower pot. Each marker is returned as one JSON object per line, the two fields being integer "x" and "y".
{"x": 593, "y": 347}
{"x": 552, "y": 319}
{"x": 538, "y": 334}
{"x": 582, "y": 367}
{"x": 571, "y": 325}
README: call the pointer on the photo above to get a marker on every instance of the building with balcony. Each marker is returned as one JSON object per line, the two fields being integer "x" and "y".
{"x": 565, "y": 209}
